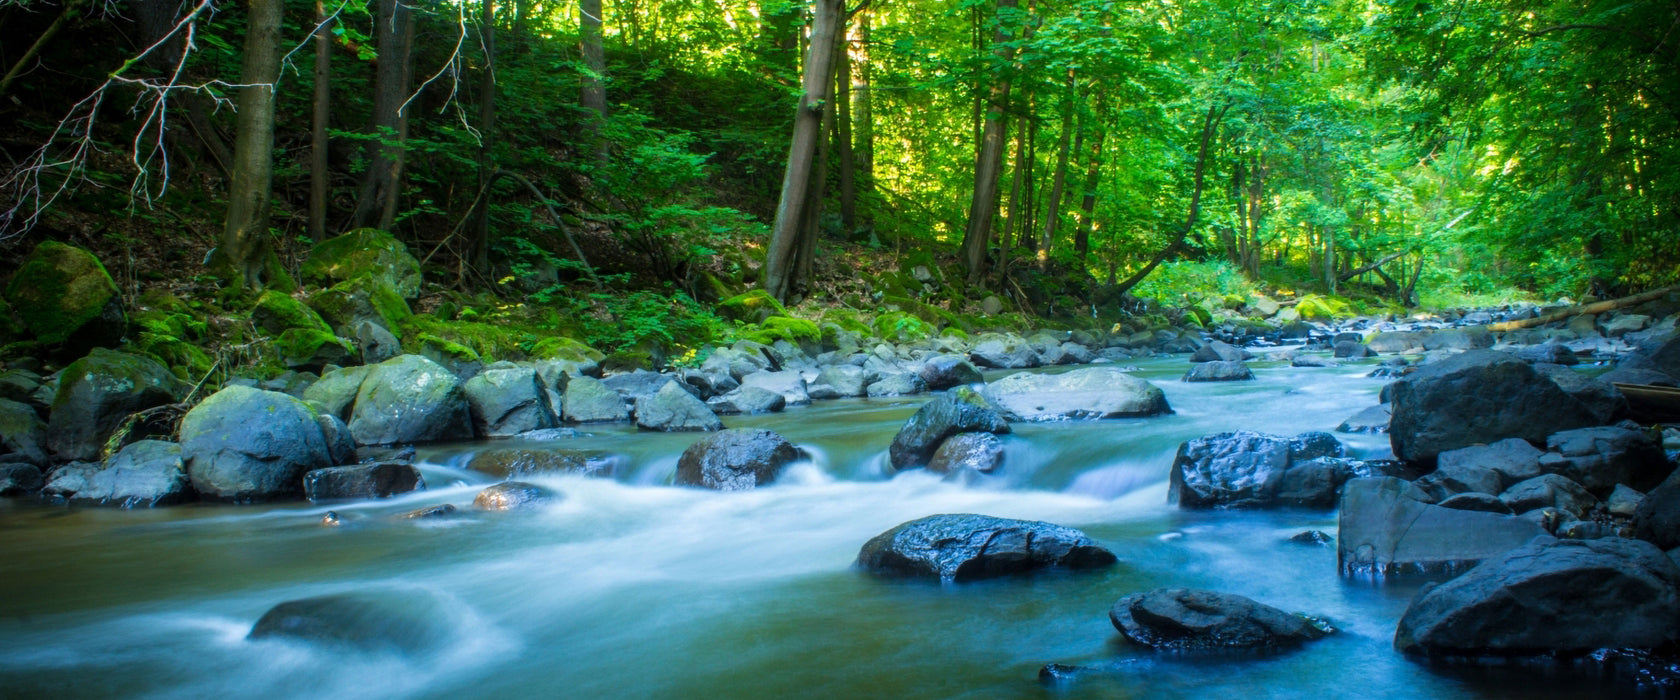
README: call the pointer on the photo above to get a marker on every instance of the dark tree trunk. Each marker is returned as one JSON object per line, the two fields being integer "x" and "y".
{"x": 594, "y": 97}
{"x": 863, "y": 118}
{"x": 843, "y": 137}
{"x": 983, "y": 207}
{"x": 781, "y": 260}
{"x": 1093, "y": 178}
{"x": 243, "y": 249}
{"x": 380, "y": 185}
{"x": 320, "y": 178}
{"x": 487, "y": 135}
{"x": 1210, "y": 126}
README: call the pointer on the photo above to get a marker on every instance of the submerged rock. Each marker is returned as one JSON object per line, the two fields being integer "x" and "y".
{"x": 513, "y": 462}
{"x": 395, "y": 622}
{"x": 1385, "y": 528}
{"x": 978, "y": 452}
{"x": 378, "y": 480}
{"x": 1087, "y": 393}
{"x": 1189, "y": 620}
{"x": 512, "y": 495}
{"x": 735, "y": 460}
{"x": 966, "y": 547}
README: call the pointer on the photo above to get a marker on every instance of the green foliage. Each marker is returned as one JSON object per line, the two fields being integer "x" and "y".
{"x": 1179, "y": 283}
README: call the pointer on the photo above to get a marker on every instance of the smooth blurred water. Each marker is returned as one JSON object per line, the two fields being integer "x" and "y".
{"x": 631, "y": 588}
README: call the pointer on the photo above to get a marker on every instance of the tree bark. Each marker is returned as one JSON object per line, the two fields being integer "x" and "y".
{"x": 1058, "y": 181}
{"x": 487, "y": 134}
{"x": 320, "y": 177}
{"x": 983, "y": 207}
{"x": 863, "y": 117}
{"x": 843, "y": 137}
{"x": 379, "y": 192}
{"x": 1088, "y": 199}
{"x": 243, "y": 248}
{"x": 1593, "y": 308}
{"x": 780, "y": 264}
{"x": 594, "y": 96}
{"x": 1210, "y": 126}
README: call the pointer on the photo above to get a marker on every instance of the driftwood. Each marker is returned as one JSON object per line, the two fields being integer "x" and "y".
{"x": 1597, "y": 307}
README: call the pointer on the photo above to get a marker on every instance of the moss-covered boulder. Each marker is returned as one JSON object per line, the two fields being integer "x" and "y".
{"x": 352, "y": 302}
{"x": 64, "y": 297}
{"x": 311, "y": 349}
{"x": 797, "y": 331}
{"x": 1313, "y": 307}
{"x": 97, "y": 393}
{"x": 275, "y": 313}
{"x": 410, "y": 399}
{"x": 175, "y": 336}
{"x": 461, "y": 361}
{"x": 364, "y": 252}
{"x": 566, "y": 349}
{"x": 751, "y": 307}
{"x": 901, "y": 327}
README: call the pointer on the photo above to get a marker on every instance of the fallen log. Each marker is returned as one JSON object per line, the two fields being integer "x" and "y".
{"x": 1596, "y": 307}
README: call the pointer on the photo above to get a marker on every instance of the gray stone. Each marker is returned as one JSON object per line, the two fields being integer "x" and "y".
{"x": 1658, "y": 517}
{"x": 978, "y": 452}
{"x": 1371, "y": 420}
{"x": 1305, "y": 360}
{"x": 1631, "y": 375}
{"x": 519, "y": 462}
{"x": 1624, "y": 324}
{"x": 19, "y": 479}
{"x": 100, "y": 391}
{"x": 748, "y": 399}
{"x": 637, "y": 385}
{"x": 1549, "y": 597}
{"x": 1624, "y": 502}
{"x": 673, "y": 409}
{"x": 1603, "y": 402}
{"x": 1253, "y": 470}
{"x": 335, "y": 392}
{"x": 838, "y": 381}
{"x": 1383, "y": 529}
{"x": 1082, "y": 394}
{"x": 1476, "y": 501}
{"x": 22, "y": 432}
{"x": 1477, "y": 397}
{"x": 245, "y": 445}
{"x": 1470, "y": 338}
{"x": 143, "y": 474}
{"x": 512, "y": 495}
{"x": 1549, "y": 352}
{"x": 1218, "y": 371}
{"x": 1513, "y": 459}
{"x": 965, "y": 547}
{"x": 789, "y": 383}
{"x": 946, "y": 371}
{"x": 1218, "y": 351}
{"x": 377, "y": 480}
{"x": 1395, "y": 341}
{"x": 960, "y": 410}
{"x": 897, "y": 384}
{"x": 736, "y": 460}
{"x": 1353, "y": 349}
{"x": 508, "y": 402}
{"x": 589, "y": 400}
{"x": 404, "y": 622}
{"x": 1549, "y": 491}
{"x": 1600, "y": 458}
{"x": 376, "y": 343}
{"x": 410, "y": 399}
{"x": 1188, "y": 620}
{"x": 1003, "y": 352}
{"x": 1461, "y": 476}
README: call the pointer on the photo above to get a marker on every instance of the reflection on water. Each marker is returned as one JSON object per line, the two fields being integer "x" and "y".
{"x": 629, "y": 588}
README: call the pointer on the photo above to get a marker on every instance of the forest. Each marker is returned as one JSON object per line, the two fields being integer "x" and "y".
{"x": 612, "y": 170}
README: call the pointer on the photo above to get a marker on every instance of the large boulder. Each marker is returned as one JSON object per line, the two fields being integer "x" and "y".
{"x": 735, "y": 460}
{"x": 946, "y": 371}
{"x": 244, "y": 444}
{"x": 1601, "y": 457}
{"x": 1477, "y": 397}
{"x": 1219, "y": 371}
{"x": 1189, "y": 620}
{"x": 960, "y": 410}
{"x": 508, "y": 401}
{"x": 1220, "y": 351}
{"x": 838, "y": 381}
{"x": 1550, "y": 597}
{"x": 97, "y": 393}
{"x": 590, "y": 400}
{"x": 364, "y": 252}
{"x": 375, "y": 480}
{"x": 789, "y": 383}
{"x": 410, "y": 399}
{"x": 1252, "y": 470}
{"x": 1658, "y": 517}
{"x": 66, "y": 298}
{"x": 335, "y": 392}
{"x": 143, "y": 474}
{"x": 1602, "y": 400}
{"x": 1385, "y": 528}
{"x": 965, "y": 547}
{"x": 1004, "y": 352}
{"x": 673, "y": 409}
{"x": 399, "y": 622}
{"x": 1087, "y": 393}
{"x": 23, "y": 435}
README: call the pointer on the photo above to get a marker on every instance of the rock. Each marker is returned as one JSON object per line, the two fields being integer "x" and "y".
{"x": 897, "y": 384}
{"x": 979, "y": 452}
{"x": 1658, "y": 517}
{"x": 735, "y": 363}
{"x": 1624, "y": 502}
{"x": 1395, "y": 341}
{"x": 1600, "y": 458}
{"x": 837, "y": 382}
{"x": 960, "y": 410}
{"x": 22, "y": 433}
{"x": 1478, "y": 502}
{"x": 1075, "y": 354}
{"x": 509, "y": 401}
{"x": 1082, "y": 394}
{"x": 1384, "y": 530}
{"x": 1604, "y": 402}
{"x": 1371, "y": 420}
{"x": 97, "y": 393}
{"x": 358, "y": 300}
{"x": 310, "y": 349}
{"x": 1470, "y": 338}
{"x": 144, "y": 474}
{"x": 674, "y": 409}
{"x": 1513, "y": 459}
{"x": 1252, "y": 470}
{"x": 1003, "y": 352}
{"x": 66, "y": 298}
{"x": 1304, "y": 360}
{"x": 410, "y": 399}
{"x": 1461, "y": 476}
{"x": 1218, "y": 372}
{"x": 789, "y": 383}
{"x": 1315, "y": 538}
{"x": 375, "y": 343}
{"x": 512, "y": 495}
{"x": 335, "y": 392}
{"x": 946, "y": 371}
{"x": 19, "y": 479}
{"x": 637, "y": 385}
{"x": 1549, "y": 491}
{"x": 1624, "y": 324}
{"x": 1188, "y": 620}
{"x": 516, "y": 462}
{"x": 1630, "y": 375}
{"x": 377, "y": 480}
{"x": 441, "y": 510}
{"x": 735, "y": 460}
{"x": 1353, "y": 349}
{"x": 748, "y": 399}
{"x": 1661, "y": 357}
{"x": 1550, "y": 352}
{"x": 363, "y": 252}
{"x": 589, "y": 400}
{"x": 245, "y": 445}
{"x": 966, "y": 547}
{"x": 1550, "y": 597}
{"x": 1477, "y": 397}
{"x": 1218, "y": 351}
{"x": 398, "y": 622}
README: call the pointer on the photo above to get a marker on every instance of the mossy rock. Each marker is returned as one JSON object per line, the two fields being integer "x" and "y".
{"x": 1197, "y": 316}
{"x": 364, "y": 252}
{"x": 275, "y": 312}
{"x": 900, "y": 327}
{"x": 275, "y": 275}
{"x": 173, "y": 334}
{"x": 751, "y": 307}
{"x": 64, "y": 296}
{"x": 350, "y": 302}
{"x": 312, "y": 349}
{"x": 566, "y": 349}
{"x": 794, "y": 330}
{"x": 627, "y": 360}
{"x": 430, "y": 345}
{"x": 1313, "y": 307}
{"x": 489, "y": 341}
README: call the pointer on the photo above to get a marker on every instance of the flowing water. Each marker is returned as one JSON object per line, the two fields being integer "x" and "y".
{"x": 630, "y": 588}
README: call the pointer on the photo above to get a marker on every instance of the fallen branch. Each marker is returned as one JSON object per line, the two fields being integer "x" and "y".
{"x": 1593, "y": 308}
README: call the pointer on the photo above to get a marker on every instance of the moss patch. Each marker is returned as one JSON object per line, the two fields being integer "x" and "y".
{"x": 794, "y": 330}
{"x": 364, "y": 252}
{"x": 361, "y": 299}
{"x": 566, "y": 349}
{"x": 900, "y": 327}
{"x": 275, "y": 312}
{"x": 309, "y": 347}
{"x": 751, "y": 307}
{"x": 59, "y": 290}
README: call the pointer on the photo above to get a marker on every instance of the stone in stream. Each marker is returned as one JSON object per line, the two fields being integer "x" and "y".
{"x": 409, "y": 399}
{"x": 508, "y": 401}
{"x": 516, "y": 462}
{"x": 748, "y": 399}
{"x": 960, "y": 410}
{"x": 20, "y": 479}
{"x": 1253, "y": 470}
{"x": 1477, "y": 397}
{"x": 1217, "y": 351}
{"x": 245, "y": 445}
{"x": 1385, "y": 528}
{"x": 896, "y": 384}
{"x": 512, "y": 495}
{"x": 589, "y": 400}
{"x": 838, "y": 381}
{"x": 736, "y": 460}
{"x": 789, "y": 383}
{"x": 143, "y": 474}
{"x": 1082, "y": 394}
{"x": 97, "y": 393}
{"x": 1352, "y": 349}
{"x": 673, "y": 409}
{"x": 978, "y": 452}
{"x": 1219, "y": 371}
{"x": 1190, "y": 620}
{"x": 1550, "y": 597}
{"x": 1371, "y": 420}
{"x": 389, "y": 621}
{"x": 1657, "y": 519}
{"x": 965, "y": 547}
{"x": 1004, "y": 352}
{"x": 377, "y": 480}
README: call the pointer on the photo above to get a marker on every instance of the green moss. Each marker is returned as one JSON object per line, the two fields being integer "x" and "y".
{"x": 364, "y": 252}
{"x": 794, "y": 330}
{"x": 567, "y": 349}
{"x": 309, "y": 346}
{"x": 59, "y": 289}
{"x": 900, "y": 327}
{"x": 275, "y": 275}
{"x": 954, "y": 332}
{"x": 276, "y": 311}
{"x": 626, "y": 360}
{"x": 444, "y": 348}
{"x": 1313, "y": 307}
{"x": 751, "y": 307}
{"x": 360, "y": 299}
{"x": 487, "y": 341}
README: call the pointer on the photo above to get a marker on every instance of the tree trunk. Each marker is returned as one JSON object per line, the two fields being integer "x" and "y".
{"x": 243, "y": 249}
{"x": 863, "y": 127}
{"x": 319, "y": 176}
{"x": 1012, "y": 216}
{"x": 379, "y": 192}
{"x": 780, "y": 264}
{"x": 1210, "y": 126}
{"x": 983, "y": 207}
{"x": 1093, "y": 177}
{"x": 594, "y": 96}
{"x": 843, "y": 139}
{"x": 1053, "y": 211}
{"x": 811, "y": 226}
{"x": 487, "y": 135}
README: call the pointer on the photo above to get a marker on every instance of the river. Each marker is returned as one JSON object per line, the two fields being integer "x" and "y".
{"x": 629, "y": 588}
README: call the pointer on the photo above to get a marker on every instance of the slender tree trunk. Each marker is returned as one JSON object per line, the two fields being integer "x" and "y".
{"x": 1210, "y": 126}
{"x": 780, "y": 264}
{"x": 811, "y": 226}
{"x": 594, "y": 97}
{"x": 863, "y": 127}
{"x": 380, "y": 185}
{"x": 1012, "y": 211}
{"x": 843, "y": 139}
{"x": 1058, "y": 181}
{"x": 1093, "y": 178}
{"x": 319, "y": 176}
{"x": 243, "y": 249}
{"x": 983, "y": 207}
{"x": 487, "y": 134}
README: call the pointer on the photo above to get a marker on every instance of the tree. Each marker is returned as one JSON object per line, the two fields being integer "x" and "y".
{"x": 381, "y": 183}
{"x": 781, "y": 261}
{"x": 989, "y": 161}
{"x": 243, "y": 248}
